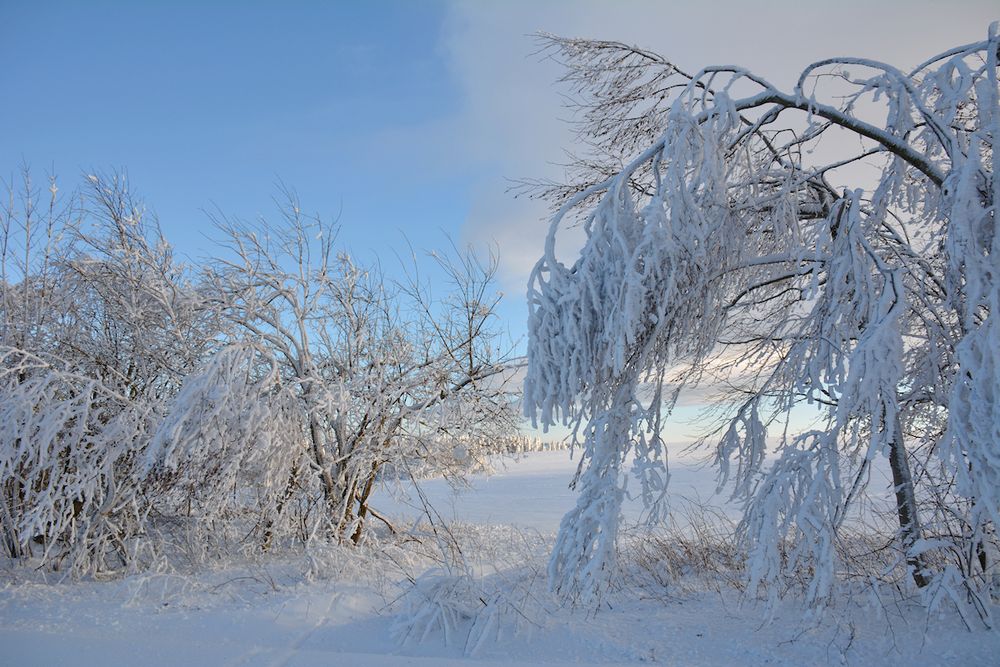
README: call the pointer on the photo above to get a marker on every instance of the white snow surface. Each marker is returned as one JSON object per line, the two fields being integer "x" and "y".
{"x": 343, "y": 611}
{"x": 533, "y": 492}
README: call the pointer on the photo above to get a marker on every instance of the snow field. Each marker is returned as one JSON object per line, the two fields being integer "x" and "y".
{"x": 533, "y": 492}
{"x": 478, "y": 599}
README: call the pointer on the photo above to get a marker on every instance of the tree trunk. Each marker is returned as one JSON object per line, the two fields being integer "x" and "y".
{"x": 285, "y": 497}
{"x": 12, "y": 541}
{"x": 906, "y": 504}
{"x": 319, "y": 454}
{"x": 363, "y": 504}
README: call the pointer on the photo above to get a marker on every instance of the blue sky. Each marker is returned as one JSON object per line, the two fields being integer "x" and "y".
{"x": 213, "y": 105}
{"x": 400, "y": 117}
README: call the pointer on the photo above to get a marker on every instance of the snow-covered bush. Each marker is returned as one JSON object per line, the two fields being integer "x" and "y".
{"x": 480, "y": 590}
{"x": 252, "y": 403}
{"x": 230, "y": 443}
{"x": 95, "y": 327}
{"x": 71, "y": 484}
{"x": 383, "y": 374}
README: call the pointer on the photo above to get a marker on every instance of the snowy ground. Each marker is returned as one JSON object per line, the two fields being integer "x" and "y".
{"x": 533, "y": 492}
{"x": 332, "y": 608}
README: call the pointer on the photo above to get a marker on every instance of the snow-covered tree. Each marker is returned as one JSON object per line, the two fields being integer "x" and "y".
{"x": 381, "y": 373}
{"x": 832, "y": 245}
